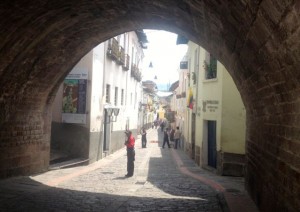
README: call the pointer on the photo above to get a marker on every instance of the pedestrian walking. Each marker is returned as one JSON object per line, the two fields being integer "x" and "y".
{"x": 144, "y": 138}
{"x": 177, "y": 135}
{"x": 155, "y": 123}
{"x": 172, "y": 132}
{"x": 162, "y": 125}
{"x": 130, "y": 141}
{"x": 166, "y": 138}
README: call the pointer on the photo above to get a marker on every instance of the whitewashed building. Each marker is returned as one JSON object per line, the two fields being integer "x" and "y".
{"x": 100, "y": 98}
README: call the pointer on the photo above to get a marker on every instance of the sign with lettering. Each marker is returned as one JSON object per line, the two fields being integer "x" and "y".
{"x": 210, "y": 105}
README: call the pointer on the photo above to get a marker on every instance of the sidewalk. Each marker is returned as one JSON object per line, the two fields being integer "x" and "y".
{"x": 232, "y": 188}
{"x": 164, "y": 180}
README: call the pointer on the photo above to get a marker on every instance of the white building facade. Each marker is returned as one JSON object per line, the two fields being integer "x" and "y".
{"x": 106, "y": 104}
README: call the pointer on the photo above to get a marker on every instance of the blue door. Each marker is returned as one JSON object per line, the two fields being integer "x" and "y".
{"x": 193, "y": 135}
{"x": 212, "y": 144}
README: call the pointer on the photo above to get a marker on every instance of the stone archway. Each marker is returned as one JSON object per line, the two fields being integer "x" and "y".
{"x": 257, "y": 41}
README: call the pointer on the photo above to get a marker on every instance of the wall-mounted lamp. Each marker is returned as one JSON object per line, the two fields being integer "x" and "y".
{"x": 111, "y": 114}
{"x": 109, "y": 111}
{"x": 116, "y": 113}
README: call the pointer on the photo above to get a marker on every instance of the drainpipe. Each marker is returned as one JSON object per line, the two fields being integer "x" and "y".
{"x": 126, "y": 90}
{"x": 101, "y": 139}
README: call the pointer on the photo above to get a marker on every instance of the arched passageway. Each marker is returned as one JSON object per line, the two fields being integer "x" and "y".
{"x": 257, "y": 41}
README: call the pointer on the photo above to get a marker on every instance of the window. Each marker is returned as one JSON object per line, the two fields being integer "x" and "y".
{"x": 210, "y": 66}
{"x": 122, "y": 96}
{"x": 184, "y": 65}
{"x": 116, "y": 96}
{"x": 107, "y": 94}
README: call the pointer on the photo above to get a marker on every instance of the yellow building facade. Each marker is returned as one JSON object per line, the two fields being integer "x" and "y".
{"x": 215, "y": 119}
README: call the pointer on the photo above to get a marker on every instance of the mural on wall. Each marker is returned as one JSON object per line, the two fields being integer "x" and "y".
{"x": 74, "y": 97}
{"x": 70, "y": 97}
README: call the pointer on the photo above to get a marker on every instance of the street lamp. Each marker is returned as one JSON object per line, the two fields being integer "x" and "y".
{"x": 109, "y": 111}
{"x": 116, "y": 113}
{"x": 108, "y": 114}
{"x": 111, "y": 114}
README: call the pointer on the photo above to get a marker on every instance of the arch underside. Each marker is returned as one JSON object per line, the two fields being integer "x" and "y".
{"x": 257, "y": 41}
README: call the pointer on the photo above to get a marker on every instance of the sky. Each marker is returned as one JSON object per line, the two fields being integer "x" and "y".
{"x": 165, "y": 56}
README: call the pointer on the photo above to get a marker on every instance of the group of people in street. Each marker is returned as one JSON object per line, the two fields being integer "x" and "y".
{"x": 169, "y": 135}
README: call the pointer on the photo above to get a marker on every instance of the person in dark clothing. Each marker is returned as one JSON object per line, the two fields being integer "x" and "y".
{"x": 166, "y": 138}
{"x": 144, "y": 138}
{"x": 172, "y": 131}
{"x": 130, "y": 141}
{"x": 155, "y": 124}
{"x": 177, "y": 135}
{"x": 162, "y": 125}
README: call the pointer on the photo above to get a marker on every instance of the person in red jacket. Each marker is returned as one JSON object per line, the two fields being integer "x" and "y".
{"x": 130, "y": 141}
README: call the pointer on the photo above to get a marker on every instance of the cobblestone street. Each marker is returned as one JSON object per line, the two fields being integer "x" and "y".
{"x": 158, "y": 184}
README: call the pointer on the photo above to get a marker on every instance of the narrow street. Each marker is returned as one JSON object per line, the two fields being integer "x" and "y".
{"x": 164, "y": 180}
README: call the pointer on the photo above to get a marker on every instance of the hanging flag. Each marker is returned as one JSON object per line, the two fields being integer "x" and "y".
{"x": 190, "y": 99}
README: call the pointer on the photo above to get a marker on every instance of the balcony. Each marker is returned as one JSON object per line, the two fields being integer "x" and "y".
{"x": 138, "y": 76}
{"x": 183, "y": 94}
{"x": 133, "y": 70}
{"x": 135, "y": 73}
{"x": 113, "y": 49}
{"x": 126, "y": 64}
{"x": 121, "y": 59}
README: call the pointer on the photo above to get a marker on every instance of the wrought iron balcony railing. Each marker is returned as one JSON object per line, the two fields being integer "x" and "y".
{"x": 127, "y": 62}
{"x": 121, "y": 59}
{"x": 113, "y": 49}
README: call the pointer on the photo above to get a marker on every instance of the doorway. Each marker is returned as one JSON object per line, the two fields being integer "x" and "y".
{"x": 211, "y": 144}
{"x": 193, "y": 134}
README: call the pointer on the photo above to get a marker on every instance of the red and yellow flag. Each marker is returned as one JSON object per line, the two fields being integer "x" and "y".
{"x": 190, "y": 99}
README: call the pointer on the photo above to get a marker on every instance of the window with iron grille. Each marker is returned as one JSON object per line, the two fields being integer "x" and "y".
{"x": 116, "y": 96}
{"x": 122, "y": 96}
{"x": 210, "y": 66}
{"x": 107, "y": 93}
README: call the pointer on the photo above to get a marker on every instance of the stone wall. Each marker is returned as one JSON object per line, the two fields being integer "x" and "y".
{"x": 257, "y": 41}
{"x": 25, "y": 144}
{"x": 72, "y": 139}
{"x": 230, "y": 164}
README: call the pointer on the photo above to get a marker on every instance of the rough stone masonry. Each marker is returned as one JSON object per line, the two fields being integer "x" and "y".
{"x": 257, "y": 41}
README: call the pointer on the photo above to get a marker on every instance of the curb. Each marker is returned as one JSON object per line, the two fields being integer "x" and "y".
{"x": 228, "y": 202}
